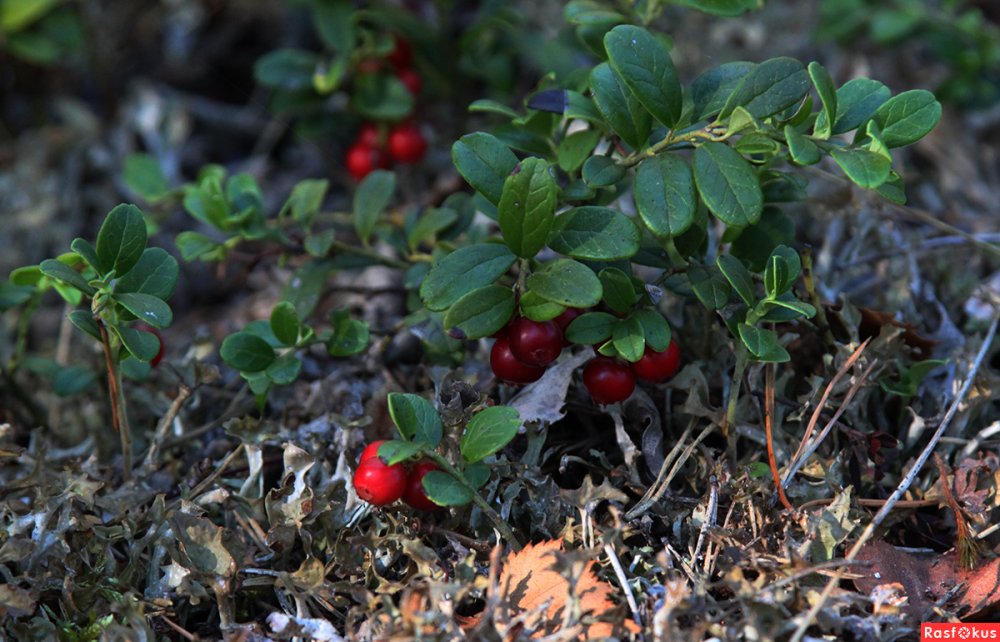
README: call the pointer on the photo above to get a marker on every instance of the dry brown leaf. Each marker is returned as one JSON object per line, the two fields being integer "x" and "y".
{"x": 528, "y": 582}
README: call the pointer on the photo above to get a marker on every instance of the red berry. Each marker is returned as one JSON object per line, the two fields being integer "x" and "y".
{"x": 658, "y": 366}
{"x": 371, "y": 450}
{"x": 536, "y": 343}
{"x": 607, "y": 380}
{"x": 155, "y": 361}
{"x": 362, "y": 160}
{"x": 406, "y": 143}
{"x": 415, "y": 495}
{"x": 379, "y": 484}
{"x": 402, "y": 54}
{"x": 508, "y": 369}
{"x": 411, "y": 79}
{"x": 369, "y": 66}
{"x": 564, "y": 319}
{"x": 369, "y": 136}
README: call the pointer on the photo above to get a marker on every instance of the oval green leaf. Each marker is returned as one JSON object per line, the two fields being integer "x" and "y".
{"x": 463, "y": 271}
{"x": 597, "y": 233}
{"x": 664, "y": 194}
{"x": 484, "y": 162}
{"x": 121, "y": 239}
{"x": 482, "y": 312}
{"x": 416, "y": 418}
{"x": 643, "y": 62}
{"x": 527, "y": 207}
{"x": 619, "y": 106}
{"x": 727, "y": 184}
{"x": 489, "y": 431}
{"x": 246, "y": 352}
{"x": 566, "y": 282}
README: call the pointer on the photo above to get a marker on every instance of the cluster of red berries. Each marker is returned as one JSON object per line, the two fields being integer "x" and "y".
{"x": 379, "y": 483}
{"x": 376, "y": 148}
{"x": 524, "y": 348}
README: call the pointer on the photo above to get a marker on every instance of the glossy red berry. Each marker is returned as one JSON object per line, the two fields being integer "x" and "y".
{"x": 155, "y": 361}
{"x": 411, "y": 79}
{"x": 379, "y": 484}
{"x": 362, "y": 160}
{"x": 658, "y": 366}
{"x": 402, "y": 53}
{"x": 415, "y": 495}
{"x": 369, "y": 136}
{"x": 371, "y": 450}
{"x": 406, "y": 143}
{"x": 508, "y": 369}
{"x": 536, "y": 343}
{"x": 608, "y": 381}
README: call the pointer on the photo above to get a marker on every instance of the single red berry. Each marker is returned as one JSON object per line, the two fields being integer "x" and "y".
{"x": 369, "y": 136}
{"x": 564, "y": 319}
{"x": 368, "y": 66}
{"x": 379, "y": 484}
{"x": 607, "y": 380}
{"x": 371, "y": 450}
{"x": 406, "y": 143}
{"x": 658, "y": 366}
{"x": 402, "y": 53}
{"x": 144, "y": 327}
{"x": 415, "y": 495}
{"x": 362, "y": 160}
{"x": 536, "y": 343}
{"x": 411, "y": 79}
{"x": 508, "y": 369}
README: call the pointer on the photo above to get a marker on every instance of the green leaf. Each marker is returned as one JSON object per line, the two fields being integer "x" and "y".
{"x": 121, "y": 239}
{"x": 643, "y": 62}
{"x": 86, "y": 252}
{"x": 711, "y": 288}
{"x": 566, "y": 282}
{"x": 619, "y": 106}
{"x": 306, "y": 199}
{"x": 536, "y": 308}
{"x": 582, "y": 107}
{"x": 770, "y": 87}
{"x": 380, "y": 97}
{"x": 908, "y": 117}
{"x": 246, "y": 352}
{"x": 527, "y": 207}
{"x": 857, "y": 100}
{"x": 664, "y": 195}
{"x": 13, "y": 295}
{"x": 602, "y": 171}
{"x": 319, "y": 244}
{"x": 803, "y": 150}
{"x": 575, "y": 149}
{"x": 72, "y": 380}
{"x": 151, "y": 309}
{"x": 285, "y": 323}
{"x": 349, "y": 337}
{"x": 827, "y": 97}
{"x": 84, "y": 320}
{"x": 756, "y": 242}
{"x": 284, "y": 370}
{"x": 463, "y": 271}
{"x": 416, "y": 418}
{"x": 477, "y": 474}
{"x": 334, "y": 22}
{"x": 799, "y": 308}
{"x": 445, "y": 490}
{"x": 144, "y": 177}
{"x": 655, "y": 328}
{"x": 590, "y": 328}
{"x": 484, "y": 162}
{"x": 598, "y": 233}
{"x": 489, "y": 431}
{"x": 482, "y": 312}
{"x": 738, "y": 276}
{"x": 892, "y": 189}
{"x": 142, "y": 345}
{"x": 155, "y": 274}
{"x": 782, "y": 271}
{"x": 710, "y": 90}
{"x": 62, "y": 272}
{"x": 727, "y": 8}
{"x": 395, "y": 451}
{"x": 432, "y": 221}
{"x": 867, "y": 169}
{"x": 629, "y": 339}
{"x": 371, "y": 199}
{"x": 194, "y": 245}
{"x": 763, "y": 344}
{"x": 288, "y": 69}
{"x": 619, "y": 293}
{"x": 727, "y": 184}
{"x": 492, "y": 107}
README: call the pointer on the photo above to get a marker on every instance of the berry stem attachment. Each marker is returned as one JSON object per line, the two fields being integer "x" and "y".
{"x": 502, "y": 526}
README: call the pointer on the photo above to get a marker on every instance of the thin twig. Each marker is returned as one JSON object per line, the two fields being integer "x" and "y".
{"x": 769, "y": 434}
{"x": 713, "y": 509}
{"x": 664, "y": 478}
{"x": 165, "y": 421}
{"x": 905, "y": 484}
{"x": 208, "y": 481}
{"x": 616, "y": 564}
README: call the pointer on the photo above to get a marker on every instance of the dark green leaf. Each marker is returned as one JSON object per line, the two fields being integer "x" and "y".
{"x": 908, "y": 117}
{"x": 527, "y": 207}
{"x": 803, "y": 150}
{"x": 484, "y": 162}
{"x": 619, "y": 293}
{"x": 396, "y": 451}
{"x": 305, "y": 200}
{"x": 711, "y": 288}
{"x": 194, "y": 245}
{"x": 867, "y": 169}
{"x": 629, "y": 339}
{"x": 536, "y": 308}
{"x": 489, "y": 431}
{"x": 86, "y": 251}
{"x": 121, "y": 239}
{"x": 84, "y": 320}
{"x": 380, "y": 97}
{"x": 333, "y": 21}
{"x": 151, "y": 309}
{"x": 576, "y": 148}
{"x": 285, "y": 323}
{"x": 770, "y": 87}
{"x": 319, "y": 244}
{"x": 566, "y": 282}
{"x": 481, "y": 312}
{"x": 857, "y": 100}
{"x": 12, "y": 295}
{"x": 416, "y": 418}
{"x": 492, "y": 107}
{"x": 590, "y": 328}
{"x": 602, "y": 171}
{"x": 245, "y": 352}
{"x": 371, "y": 199}
{"x": 142, "y": 345}
{"x": 432, "y": 221}
{"x": 655, "y": 328}
{"x": 144, "y": 177}
{"x": 154, "y": 274}
{"x": 827, "y": 97}
{"x": 477, "y": 474}
{"x": 664, "y": 194}
{"x": 643, "y": 62}
{"x": 727, "y": 184}
{"x": 598, "y": 233}
{"x": 756, "y": 242}
{"x": 782, "y": 271}
{"x": 619, "y": 106}
{"x": 727, "y": 8}
{"x": 288, "y": 69}
{"x": 763, "y": 344}
{"x": 349, "y": 337}
{"x": 463, "y": 271}
{"x": 62, "y": 272}
{"x": 72, "y": 380}
{"x": 710, "y": 90}
{"x": 445, "y": 490}
{"x": 738, "y": 276}
{"x": 284, "y": 370}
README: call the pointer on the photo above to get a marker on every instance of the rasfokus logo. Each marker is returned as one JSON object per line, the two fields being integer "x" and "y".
{"x": 959, "y": 631}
